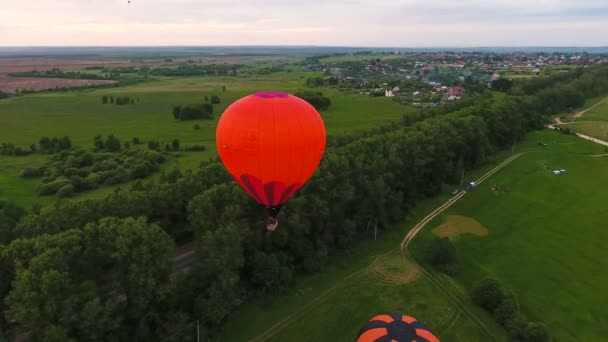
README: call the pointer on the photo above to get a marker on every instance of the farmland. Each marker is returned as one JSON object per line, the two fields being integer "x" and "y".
{"x": 81, "y": 115}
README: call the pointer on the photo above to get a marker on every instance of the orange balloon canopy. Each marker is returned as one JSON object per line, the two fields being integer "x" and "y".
{"x": 271, "y": 143}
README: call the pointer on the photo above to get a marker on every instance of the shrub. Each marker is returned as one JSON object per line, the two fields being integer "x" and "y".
{"x": 215, "y": 99}
{"x": 315, "y": 98}
{"x": 53, "y": 187}
{"x": 197, "y": 127}
{"x": 66, "y": 191}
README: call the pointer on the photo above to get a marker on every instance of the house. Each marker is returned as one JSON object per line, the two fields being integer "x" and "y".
{"x": 388, "y": 92}
{"x": 495, "y": 76}
{"x": 456, "y": 91}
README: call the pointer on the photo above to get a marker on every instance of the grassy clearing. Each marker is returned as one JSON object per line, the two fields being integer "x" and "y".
{"x": 546, "y": 238}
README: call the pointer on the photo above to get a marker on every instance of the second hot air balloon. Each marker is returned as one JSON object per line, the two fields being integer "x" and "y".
{"x": 271, "y": 143}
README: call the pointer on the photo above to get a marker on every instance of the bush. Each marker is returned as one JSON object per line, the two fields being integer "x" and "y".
{"x": 154, "y": 145}
{"x": 31, "y": 172}
{"x": 197, "y": 127}
{"x": 315, "y": 98}
{"x": 193, "y": 112}
{"x": 488, "y": 294}
{"x": 136, "y": 141}
{"x": 66, "y": 191}
{"x": 53, "y": 187}
{"x": 536, "y": 332}
{"x": 215, "y": 99}
{"x": 194, "y": 148}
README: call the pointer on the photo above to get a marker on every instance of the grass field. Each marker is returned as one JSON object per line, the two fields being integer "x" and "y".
{"x": 546, "y": 238}
{"x": 81, "y": 115}
{"x": 593, "y": 122}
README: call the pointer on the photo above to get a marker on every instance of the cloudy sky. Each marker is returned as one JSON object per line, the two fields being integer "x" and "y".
{"x": 400, "y": 23}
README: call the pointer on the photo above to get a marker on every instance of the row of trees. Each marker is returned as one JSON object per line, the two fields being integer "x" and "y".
{"x": 491, "y": 295}
{"x": 378, "y": 174}
{"x": 58, "y": 73}
{"x": 119, "y": 100}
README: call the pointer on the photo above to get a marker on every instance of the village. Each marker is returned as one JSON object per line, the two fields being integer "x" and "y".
{"x": 435, "y": 78}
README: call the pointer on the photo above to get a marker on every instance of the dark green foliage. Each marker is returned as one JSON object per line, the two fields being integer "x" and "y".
{"x": 193, "y": 112}
{"x": 314, "y": 82}
{"x": 223, "y": 89}
{"x": 83, "y": 170}
{"x": 197, "y": 127}
{"x": 175, "y": 144}
{"x": 136, "y": 141}
{"x": 488, "y": 293}
{"x": 154, "y": 145}
{"x": 104, "y": 99}
{"x": 58, "y": 73}
{"x": 54, "y": 144}
{"x": 442, "y": 255}
{"x": 191, "y": 69}
{"x": 491, "y": 295}
{"x": 315, "y": 98}
{"x": 502, "y": 84}
{"x": 10, "y": 149}
{"x": 194, "y": 148}
{"x": 66, "y": 191}
{"x": 123, "y": 100}
{"x": 215, "y": 99}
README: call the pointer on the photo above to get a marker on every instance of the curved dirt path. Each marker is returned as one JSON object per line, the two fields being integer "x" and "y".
{"x": 382, "y": 277}
{"x": 459, "y": 301}
{"x": 579, "y": 114}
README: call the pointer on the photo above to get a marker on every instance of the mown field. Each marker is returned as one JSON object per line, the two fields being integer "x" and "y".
{"x": 546, "y": 237}
{"x": 81, "y": 115}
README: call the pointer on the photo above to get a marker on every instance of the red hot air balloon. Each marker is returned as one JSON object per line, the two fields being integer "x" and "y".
{"x": 395, "y": 328}
{"x": 271, "y": 143}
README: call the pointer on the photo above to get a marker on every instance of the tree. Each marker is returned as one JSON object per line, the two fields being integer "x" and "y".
{"x": 141, "y": 252}
{"x": 223, "y": 89}
{"x": 111, "y": 99}
{"x": 442, "y": 254}
{"x": 536, "y": 332}
{"x": 175, "y": 144}
{"x": 136, "y": 141}
{"x": 315, "y": 98}
{"x": 104, "y": 99}
{"x": 37, "y": 299}
{"x": 197, "y": 127}
{"x": 488, "y": 293}
{"x": 502, "y": 84}
{"x": 153, "y": 145}
{"x": 112, "y": 143}
{"x": 215, "y": 99}
{"x": 66, "y": 191}
{"x": 176, "y": 111}
{"x": 98, "y": 142}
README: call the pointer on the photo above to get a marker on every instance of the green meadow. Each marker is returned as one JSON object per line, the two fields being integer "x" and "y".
{"x": 80, "y": 115}
{"x": 546, "y": 235}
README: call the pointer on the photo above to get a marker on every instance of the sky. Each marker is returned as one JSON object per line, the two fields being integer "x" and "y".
{"x": 370, "y": 23}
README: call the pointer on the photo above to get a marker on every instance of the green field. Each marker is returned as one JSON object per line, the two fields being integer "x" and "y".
{"x": 81, "y": 115}
{"x": 593, "y": 122}
{"x": 546, "y": 238}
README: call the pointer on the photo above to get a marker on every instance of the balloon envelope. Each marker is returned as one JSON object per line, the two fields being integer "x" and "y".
{"x": 271, "y": 143}
{"x": 395, "y": 327}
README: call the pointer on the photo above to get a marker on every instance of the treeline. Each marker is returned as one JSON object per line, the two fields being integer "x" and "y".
{"x": 502, "y": 304}
{"x": 58, "y": 73}
{"x": 379, "y": 175}
{"x": 190, "y": 69}
{"x": 118, "y": 100}
{"x": 45, "y": 144}
{"x": 197, "y": 111}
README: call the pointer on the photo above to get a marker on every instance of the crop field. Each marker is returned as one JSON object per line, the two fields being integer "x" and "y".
{"x": 546, "y": 235}
{"x": 10, "y": 84}
{"x": 81, "y": 115}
